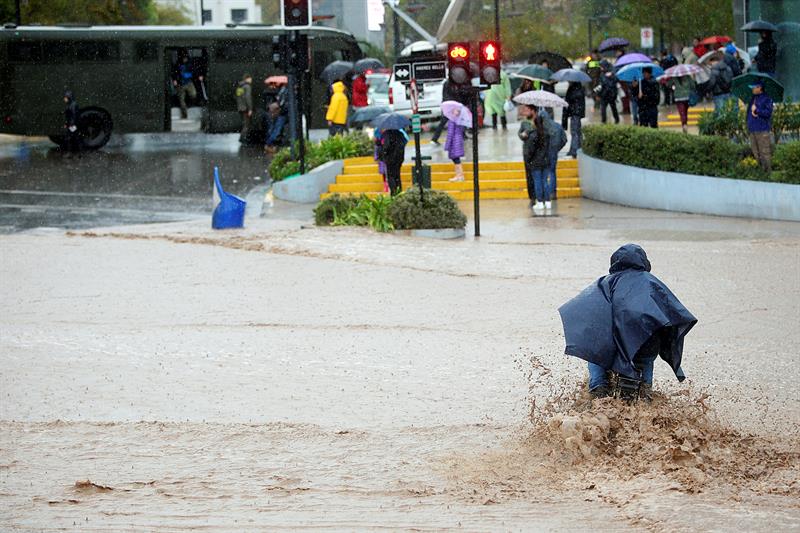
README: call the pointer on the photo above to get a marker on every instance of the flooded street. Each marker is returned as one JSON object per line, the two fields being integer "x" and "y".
{"x": 166, "y": 377}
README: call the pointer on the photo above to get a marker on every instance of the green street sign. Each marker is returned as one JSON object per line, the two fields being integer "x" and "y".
{"x": 416, "y": 124}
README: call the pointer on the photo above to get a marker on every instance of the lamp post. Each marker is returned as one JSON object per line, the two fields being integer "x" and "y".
{"x": 496, "y": 20}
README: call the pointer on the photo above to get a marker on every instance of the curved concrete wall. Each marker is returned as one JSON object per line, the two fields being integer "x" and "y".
{"x": 671, "y": 191}
{"x": 306, "y": 188}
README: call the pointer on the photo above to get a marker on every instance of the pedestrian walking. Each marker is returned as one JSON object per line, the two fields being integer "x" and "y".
{"x": 377, "y": 157}
{"x": 337, "y": 110}
{"x": 575, "y": 111}
{"x": 557, "y": 139}
{"x": 274, "y": 122}
{"x": 719, "y": 83}
{"x": 698, "y": 49}
{"x": 687, "y": 56}
{"x": 767, "y": 54}
{"x": 455, "y": 147}
{"x": 632, "y": 88}
{"x": 244, "y": 104}
{"x": 667, "y": 61}
{"x": 730, "y": 57}
{"x": 392, "y": 153}
{"x": 495, "y": 101}
{"x": 360, "y": 91}
{"x": 683, "y": 88}
{"x": 535, "y": 153}
{"x": 72, "y": 138}
{"x": 185, "y": 85}
{"x": 453, "y": 93}
{"x": 608, "y": 96}
{"x": 648, "y": 98}
{"x": 759, "y": 124}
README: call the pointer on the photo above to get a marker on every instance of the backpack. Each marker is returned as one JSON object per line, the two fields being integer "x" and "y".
{"x": 724, "y": 80}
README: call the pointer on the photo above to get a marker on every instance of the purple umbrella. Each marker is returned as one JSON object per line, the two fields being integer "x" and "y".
{"x": 457, "y": 113}
{"x": 611, "y": 43}
{"x": 633, "y": 57}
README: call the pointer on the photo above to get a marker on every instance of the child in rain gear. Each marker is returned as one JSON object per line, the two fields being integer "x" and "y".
{"x": 337, "y": 110}
{"x": 392, "y": 153}
{"x": 455, "y": 147}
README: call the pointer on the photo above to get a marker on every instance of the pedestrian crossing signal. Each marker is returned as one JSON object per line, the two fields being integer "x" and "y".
{"x": 489, "y": 62}
{"x": 458, "y": 62}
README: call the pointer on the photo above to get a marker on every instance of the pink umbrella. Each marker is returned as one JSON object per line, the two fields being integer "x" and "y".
{"x": 634, "y": 57}
{"x": 681, "y": 70}
{"x": 457, "y": 113}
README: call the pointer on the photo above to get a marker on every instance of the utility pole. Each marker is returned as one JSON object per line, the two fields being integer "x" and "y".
{"x": 202, "y": 14}
{"x": 396, "y": 32}
{"x": 496, "y": 20}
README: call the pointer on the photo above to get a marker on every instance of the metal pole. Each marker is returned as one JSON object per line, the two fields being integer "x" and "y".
{"x": 18, "y": 12}
{"x": 589, "y": 21}
{"x": 300, "y": 76}
{"x": 202, "y": 18}
{"x": 497, "y": 20}
{"x": 475, "y": 173}
{"x": 396, "y": 32}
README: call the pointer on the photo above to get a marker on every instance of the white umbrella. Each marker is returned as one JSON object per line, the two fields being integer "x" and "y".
{"x": 540, "y": 99}
{"x": 744, "y": 55}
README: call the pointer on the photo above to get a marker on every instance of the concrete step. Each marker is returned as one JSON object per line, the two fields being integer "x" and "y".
{"x": 486, "y": 185}
{"x": 362, "y": 168}
{"x": 344, "y": 179}
{"x": 563, "y": 192}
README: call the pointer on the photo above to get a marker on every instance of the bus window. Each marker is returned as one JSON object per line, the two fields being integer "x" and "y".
{"x": 146, "y": 51}
{"x": 244, "y": 51}
{"x": 56, "y": 51}
{"x": 25, "y": 51}
{"x": 97, "y": 51}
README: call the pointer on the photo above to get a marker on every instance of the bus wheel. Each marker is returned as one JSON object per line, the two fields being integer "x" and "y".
{"x": 94, "y": 125}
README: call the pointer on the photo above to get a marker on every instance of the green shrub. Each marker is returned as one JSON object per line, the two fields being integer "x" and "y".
{"x": 663, "y": 150}
{"x": 731, "y": 122}
{"x": 437, "y": 211}
{"x": 786, "y": 162}
{"x": 331, "y": 207}
{"x": 338, "y": 147}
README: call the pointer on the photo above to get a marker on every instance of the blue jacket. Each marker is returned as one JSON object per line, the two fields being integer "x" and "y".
{"x": 763, "y": 120}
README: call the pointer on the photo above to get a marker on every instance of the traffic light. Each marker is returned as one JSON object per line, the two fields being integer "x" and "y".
{"x": 296, "y": 13}
{"x": 458, "y": 62}
{"x": 298, "y": 51}
{"x": 280, "y": 52}
{"x": 489, "y": 62}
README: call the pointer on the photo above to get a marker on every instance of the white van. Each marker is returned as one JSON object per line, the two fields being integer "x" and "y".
{"x": 430, "y": 99}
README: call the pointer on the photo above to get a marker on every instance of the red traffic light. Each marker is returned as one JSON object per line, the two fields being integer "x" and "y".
{"x": 489, "y": 62}
{"x": 458, "y": 62}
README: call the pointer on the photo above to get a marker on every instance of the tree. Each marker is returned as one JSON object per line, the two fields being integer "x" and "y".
{"x": 683, "y": 20}
{"x": 107, "y": 12}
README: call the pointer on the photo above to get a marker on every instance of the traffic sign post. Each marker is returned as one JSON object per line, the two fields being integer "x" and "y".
{"x": 647, "y": 37}
{"x": 430, "y": 70}
{"x": 402, "y": 72}
{"x": 416, "y": 127}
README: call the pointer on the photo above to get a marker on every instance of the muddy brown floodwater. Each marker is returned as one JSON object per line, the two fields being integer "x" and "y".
{"x": 169, "y": 378}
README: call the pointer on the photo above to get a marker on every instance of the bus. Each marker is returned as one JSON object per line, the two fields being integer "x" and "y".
{"x": 121, "y": 76}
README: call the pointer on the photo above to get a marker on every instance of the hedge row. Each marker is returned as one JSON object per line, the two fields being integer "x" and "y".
{"x": 337, "y": 147}
{"x": 703, "y": 155}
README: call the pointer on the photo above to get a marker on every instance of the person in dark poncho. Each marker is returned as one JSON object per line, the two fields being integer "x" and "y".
{"x": 392, "y": 153}
{"x": 621, "y": 323}
{"x": 72, "y": 138}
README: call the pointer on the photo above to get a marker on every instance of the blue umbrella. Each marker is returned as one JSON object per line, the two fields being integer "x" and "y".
{"x": 391, "y": 121}
{"x": 571, "y": 75}
{"x": 633, "y": 71}
{"x": 369, "y": 113}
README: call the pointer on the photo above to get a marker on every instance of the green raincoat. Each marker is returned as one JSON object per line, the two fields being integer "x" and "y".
{"x": 497, "y": 96}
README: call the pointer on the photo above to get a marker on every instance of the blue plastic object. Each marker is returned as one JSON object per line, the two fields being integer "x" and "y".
{"x": 229, "y": 213}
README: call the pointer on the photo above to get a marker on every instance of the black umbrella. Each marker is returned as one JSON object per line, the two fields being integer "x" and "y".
{"x": 363, "y": 115}
{"x": 555, "y": 61}
{"x": 391, "y": 121}
{"x": 368, "y": 63}
{"x": 759, "y": 25}
{"x": 338, "y": 70}
{"x": 613, "y": 43}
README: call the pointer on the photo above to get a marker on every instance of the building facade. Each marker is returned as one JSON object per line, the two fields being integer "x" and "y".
{"x": 363, "y": 18}
{"x": 218, "y": 11}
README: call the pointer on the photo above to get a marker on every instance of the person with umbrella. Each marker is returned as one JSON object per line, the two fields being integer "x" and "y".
{"x": 575, "y": 111}
{"x": 648, "y": 98}
{"x": 759, "y": 124}
{"x": 458, "y": 117}
{"x": 72, "y": 137}
{"x": 337, "y": 110}
{"x": 535, "y": 147}
{"x": 680, "y": 78}
{"x": 360, "y": 91}
{"x": 392, "y": 148}
{"x": 667, "y": 61}
{"x": 767, "y": 54}
{"x": 622, "y": 322}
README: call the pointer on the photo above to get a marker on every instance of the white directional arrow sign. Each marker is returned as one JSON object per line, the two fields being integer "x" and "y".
{"x": 402, "y": 72}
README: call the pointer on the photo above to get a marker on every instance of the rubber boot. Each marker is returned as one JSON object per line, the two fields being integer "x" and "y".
{"x": 494, "y": 122}
{"x": 459, "y": 168}
{"x": 504, "y": 122}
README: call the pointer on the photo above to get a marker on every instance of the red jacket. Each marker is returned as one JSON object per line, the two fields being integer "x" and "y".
{"x": 360, "y": 92}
